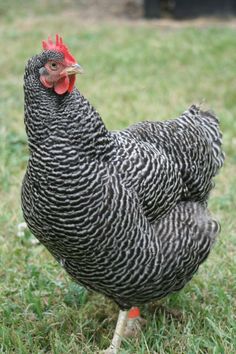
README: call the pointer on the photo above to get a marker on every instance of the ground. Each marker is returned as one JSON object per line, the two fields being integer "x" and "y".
{"x": 134, "y": 70}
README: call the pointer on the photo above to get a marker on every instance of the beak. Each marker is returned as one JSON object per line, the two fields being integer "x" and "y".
{"x": 73, "y": 69}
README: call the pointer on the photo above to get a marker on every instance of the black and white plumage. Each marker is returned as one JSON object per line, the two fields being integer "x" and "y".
{"x": 125, "y": 212}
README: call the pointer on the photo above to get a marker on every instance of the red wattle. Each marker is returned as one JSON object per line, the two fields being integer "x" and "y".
{"x": 66, "y": 83}
{"x": 71, "y": 82}
{"x": 62, "y": 85}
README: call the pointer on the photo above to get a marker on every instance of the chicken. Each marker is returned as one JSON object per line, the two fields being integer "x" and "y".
{"x": 125, "y": 213}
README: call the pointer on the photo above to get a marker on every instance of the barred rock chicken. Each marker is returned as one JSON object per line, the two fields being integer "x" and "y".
{"x": 125, "y": 213}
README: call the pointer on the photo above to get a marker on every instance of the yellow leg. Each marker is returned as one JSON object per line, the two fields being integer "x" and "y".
{"x": 119, "y": 333}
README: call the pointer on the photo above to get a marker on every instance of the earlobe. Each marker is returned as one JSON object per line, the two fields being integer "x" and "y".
{"x": 45, "y": 82}
{"x": 60, "y": 86}
{"x": 43, "y": 71}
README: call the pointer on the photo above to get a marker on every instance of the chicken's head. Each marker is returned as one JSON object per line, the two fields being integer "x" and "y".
{"x": 61, "y": 67}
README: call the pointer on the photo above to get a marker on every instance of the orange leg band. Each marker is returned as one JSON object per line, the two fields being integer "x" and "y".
{"x": 134, "y": 312}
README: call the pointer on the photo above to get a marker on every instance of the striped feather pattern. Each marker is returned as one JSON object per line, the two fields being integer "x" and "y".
{"x": 123, "y": 212}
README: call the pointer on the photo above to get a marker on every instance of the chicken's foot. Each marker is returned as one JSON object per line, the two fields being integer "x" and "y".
{"x": 119, "y": 333}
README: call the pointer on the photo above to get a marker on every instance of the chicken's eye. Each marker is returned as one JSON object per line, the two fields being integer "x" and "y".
{"x": 53, "y": 65}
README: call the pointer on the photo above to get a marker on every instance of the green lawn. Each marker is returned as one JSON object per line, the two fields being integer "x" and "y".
{"x": 133, "y": 71}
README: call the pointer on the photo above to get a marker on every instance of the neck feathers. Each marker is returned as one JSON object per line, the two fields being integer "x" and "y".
{"x": 67, "y": 119}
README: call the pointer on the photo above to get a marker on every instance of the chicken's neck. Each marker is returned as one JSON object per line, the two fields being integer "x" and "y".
{"x": 67, "y": 120}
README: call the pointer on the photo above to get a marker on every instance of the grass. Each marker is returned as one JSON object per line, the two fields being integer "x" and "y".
{"x": 134, "y": 71}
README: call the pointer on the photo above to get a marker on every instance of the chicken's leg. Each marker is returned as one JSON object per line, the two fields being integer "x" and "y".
{"x": 119, "y": 333}
{"x": 134, "y": 323}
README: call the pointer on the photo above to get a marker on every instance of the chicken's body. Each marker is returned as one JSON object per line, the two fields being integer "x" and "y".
{"x": 123, "y": 212}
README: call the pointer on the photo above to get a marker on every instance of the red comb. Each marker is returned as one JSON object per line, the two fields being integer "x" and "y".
{"x": 59, "y": 46}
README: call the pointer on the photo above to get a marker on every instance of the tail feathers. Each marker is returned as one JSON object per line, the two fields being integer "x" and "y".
{"x": 211, "y": 127}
